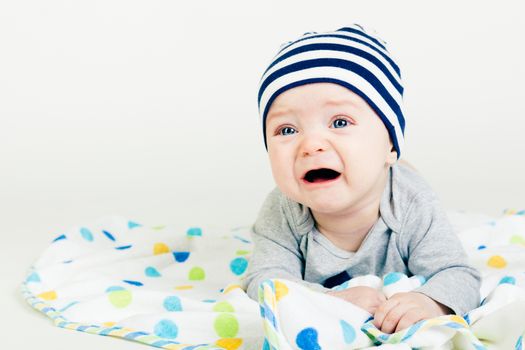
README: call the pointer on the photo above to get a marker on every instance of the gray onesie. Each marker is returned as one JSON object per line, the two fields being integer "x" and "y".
{"x": 412, "y": 236}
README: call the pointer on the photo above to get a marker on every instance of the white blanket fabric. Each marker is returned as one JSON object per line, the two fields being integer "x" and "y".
{"x": 179, "y": 289}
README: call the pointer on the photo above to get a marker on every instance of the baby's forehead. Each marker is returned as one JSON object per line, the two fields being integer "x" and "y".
{"x": 314, "y": 96}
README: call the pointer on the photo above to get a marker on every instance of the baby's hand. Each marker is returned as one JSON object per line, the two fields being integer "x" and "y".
{"x": 365, "y": 297}
{"x": 404, "y": 309}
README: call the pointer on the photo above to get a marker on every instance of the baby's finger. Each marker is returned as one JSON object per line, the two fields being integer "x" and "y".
{"x": 409, "y": 318}
{"x": 383, "y": 310}
{"x": 382, "y": 298}
{"x": 393, "y": 316}
{"x": 375, "y": 302}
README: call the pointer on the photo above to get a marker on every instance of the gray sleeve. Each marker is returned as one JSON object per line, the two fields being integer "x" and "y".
{"x": 435, "y": 251}
{"x": 276, "y": 252}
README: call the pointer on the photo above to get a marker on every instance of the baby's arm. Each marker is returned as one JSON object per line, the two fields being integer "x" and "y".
{"x": 433, "y": 250}
{"x": 276, "y": 252}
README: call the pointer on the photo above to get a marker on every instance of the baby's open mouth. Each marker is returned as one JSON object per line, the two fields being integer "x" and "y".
{"x": 321, "y": 175}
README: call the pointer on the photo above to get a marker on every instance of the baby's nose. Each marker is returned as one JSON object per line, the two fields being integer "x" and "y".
{"x": 313, "y": 144}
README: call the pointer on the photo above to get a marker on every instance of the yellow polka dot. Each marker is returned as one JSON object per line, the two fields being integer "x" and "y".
{"x": 459, "y": 319}
{"x": 49, "y": 295}
{"x": 120, "y": 332}
{"x": 229, "y": 343}
{"x": 160, "y": 227}
{"x": 281, "y": 290}
{"x": 231, "y": 287}
{"x": 268, "y": 293}
{"x": 160, "y": 248}
{"x": 175, "y": 346}
{"x": 109, "y": 324}
{"x": 183, "y": 287}
{"x": 497, "y": 262}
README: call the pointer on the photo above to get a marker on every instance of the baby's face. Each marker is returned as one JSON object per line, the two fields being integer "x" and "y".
{"x": 326, "y": 126}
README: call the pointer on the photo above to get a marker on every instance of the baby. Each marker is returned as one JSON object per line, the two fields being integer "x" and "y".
{"x": 333, "y": 125}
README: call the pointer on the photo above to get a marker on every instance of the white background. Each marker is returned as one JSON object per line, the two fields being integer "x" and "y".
{"x": 147, "y": 109}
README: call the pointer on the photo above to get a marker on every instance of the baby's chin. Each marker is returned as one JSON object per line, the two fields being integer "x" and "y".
{"x": 327, "y": 209}
{"x": 324, "y": 206}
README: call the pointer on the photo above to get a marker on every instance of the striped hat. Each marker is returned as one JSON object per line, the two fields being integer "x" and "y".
{"x": 350, "y": 57}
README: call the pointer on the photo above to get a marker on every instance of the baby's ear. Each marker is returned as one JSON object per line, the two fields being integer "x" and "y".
{"x": 391, "y": 157}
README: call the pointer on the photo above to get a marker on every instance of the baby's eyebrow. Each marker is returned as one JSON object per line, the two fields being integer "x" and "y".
{"x": 345, "y": 102}
{"x": 279, "y": 113}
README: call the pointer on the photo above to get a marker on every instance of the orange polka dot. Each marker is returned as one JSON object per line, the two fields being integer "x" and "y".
{"x": 497, "y": 262}
{"x": 183, "y": 287}
{"x": 281, "y": 290}
{"x": 50, "y": 295}
{"x": 160, "y": 248}
{"x": 229, "y": 343}
{"x": 231, "y": 287}
{"x": 459, "y": 320}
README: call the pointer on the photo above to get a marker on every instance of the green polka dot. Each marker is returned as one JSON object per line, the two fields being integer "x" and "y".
{"x": 395, "y": 338}
{"x": 226, "y": 325}
{"x": 196, "y": 274}
{"x": 120, "y": 298}
{"x": 242, "y": 252}
{"x": 516, "y": 239}
{"x": 223, "y": 306}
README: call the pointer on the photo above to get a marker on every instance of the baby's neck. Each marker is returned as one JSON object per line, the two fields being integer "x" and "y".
{"x": 349, "y": 230}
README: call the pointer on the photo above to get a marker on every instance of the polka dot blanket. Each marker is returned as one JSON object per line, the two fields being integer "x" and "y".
{"x": 180, "y": 289}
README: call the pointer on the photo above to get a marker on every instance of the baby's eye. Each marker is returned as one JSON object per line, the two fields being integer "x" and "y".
{"x": 340, "y": 123}
{"x": 286, "y": 131}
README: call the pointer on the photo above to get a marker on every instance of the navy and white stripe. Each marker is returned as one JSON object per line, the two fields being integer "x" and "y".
{"x": 349, "y": 57}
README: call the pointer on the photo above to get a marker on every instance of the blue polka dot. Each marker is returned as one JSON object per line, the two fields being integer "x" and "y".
{"x": 133, "y": 283}
{"x": 151, "y": 272}
{"x": 307, "y": 339}
{"x": 392, "y": 277}
{"x": 508, "y": 280}
{"x": 132, "y": 224}
{"x": 348, "y": 332}
{"x": 466, "y": 318}
{"x": 166, "y": 329}
{"x": 124, "y": 247}
{"x": 481, "y": 247}
{"x": 519, "y": 343}
{"x": 181, "y": 256}
{"x": 86, "y": 234}
{"x": 33, "y": 277}
{"x": 109, "y": 235}
{"x": 238, "y": 265}
{"x": 194, "y": 231}
{"x": 114, "y": 289}
{"x": 61, "y": 237}
{"x": 172, "y": 303}
{"x": 266, "y": 345}
{"x": 342, "y": 286}
{"x": 412, "y": 330}
{"x": 244, "y": 240}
